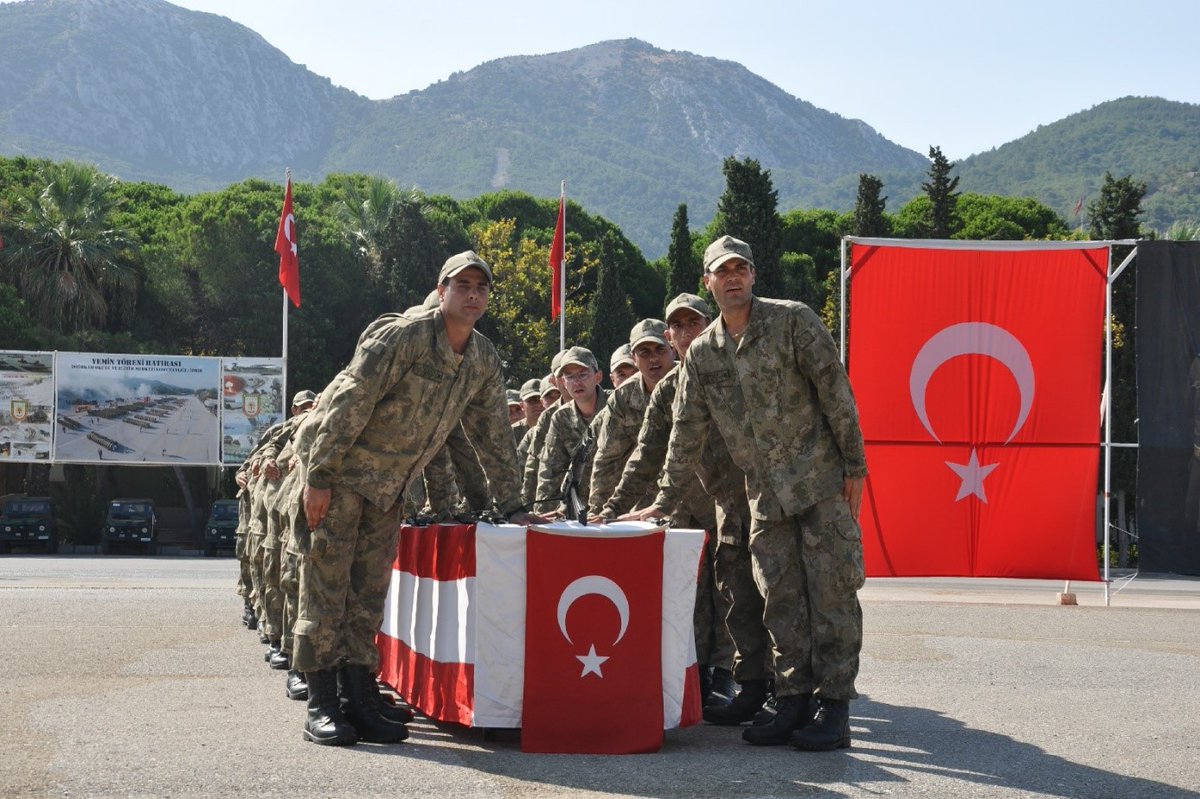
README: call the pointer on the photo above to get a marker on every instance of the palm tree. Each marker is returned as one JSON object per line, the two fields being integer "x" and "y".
{"x": 69, "y": 262}
{"x": 367, "y": 206}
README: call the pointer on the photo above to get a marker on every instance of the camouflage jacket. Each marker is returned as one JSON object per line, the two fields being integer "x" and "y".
{"x": 519, "y": 430}
{"x": 617, "y": 429}
{"x": 566, "y": 431}
{"x": 533, "y": 457}
{"x": 781, "y": 401}
{"x": 398, "y": 401}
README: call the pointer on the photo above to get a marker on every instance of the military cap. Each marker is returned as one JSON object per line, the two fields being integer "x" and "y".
{"x": 555, "y": 361}
{"x": 305, "y": 397}
{"x": 688, "y": 302}
{"x": 513, "y": 396}
{"x": 648, "y": 330}
{"x": 578, "y": 356}
{"x": 464, "y": 260}
{"x": 531, "y": 388}
{"x": 724, "y": 249}
{"x": 432, "y": 300}
{"x": 622, "y": 355}
{"x": 546, "y": 386}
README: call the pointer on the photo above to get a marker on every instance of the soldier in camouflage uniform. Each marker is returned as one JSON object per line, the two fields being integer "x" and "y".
{"x": 621, "y": 366}
{"x": 530, "y": 396}
{"x": 766, "y": 376}
{"x": 549, "y": 395}
{"x": 580, "y": 378}
{"x": 409, "y": 384}
{"x": 537, "y": 439}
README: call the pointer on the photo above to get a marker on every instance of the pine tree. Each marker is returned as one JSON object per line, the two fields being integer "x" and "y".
{"x": 685, "y": 272}
{"x": 869, "y": 219}
{"x": 748, "y": 211}
{"x": 611, "y": 313}
{"x": 1114, "y": 214}
{"x": 943, "y": 199}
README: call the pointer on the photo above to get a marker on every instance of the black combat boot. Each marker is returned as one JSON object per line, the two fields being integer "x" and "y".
{"x": 722, "y": 688}
{"x": 830, "y": 728}
{"x": 742, "y": 708}
{"x": 387, "y": 708}
{"x": 325, "y": 724}
{"x": 363, "y": 704}
{"x": 297, "y": 688}
{"x": 279, "y": 660}
{"x": 791, "y": 713}
{"x": 248, "y": 617}
{"x": 272, "y": 650}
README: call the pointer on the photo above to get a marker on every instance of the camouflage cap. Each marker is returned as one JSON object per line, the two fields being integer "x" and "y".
{"x": 432, "y": 300}
{"x": 547, "y": 385}
{"x": 648, "y": 330}
{"x": 513, "y": 396}
{"x": 725, "y": 249}
{"x": 464, "y": 260}
{"x": 622, "y": 356}
{"x": 688, "y": 302}
{"x": 556, "y": 361}
{"x": 578, "y": 356}
{"x": 305, "y": 397}
{"x": 531, "y": 388}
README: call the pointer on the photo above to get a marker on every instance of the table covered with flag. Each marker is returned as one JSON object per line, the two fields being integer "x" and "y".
{"x": 580, "y": 636}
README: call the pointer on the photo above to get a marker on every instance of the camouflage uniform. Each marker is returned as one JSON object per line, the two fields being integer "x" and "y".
{"x": 519, "y": 430}
{"x": 393, "y": 408}
{"x": 468, "y": 473}
{"x": 617, "y": 427}
{"x": 533, "y": 458}
{"x": 279, "y": 450}
{"x": 781, "y": 401}
{"x": 565, "y": 433}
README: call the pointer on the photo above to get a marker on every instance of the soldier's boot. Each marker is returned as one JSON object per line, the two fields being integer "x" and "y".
{"x": 279, "y": 660}
{"x": 263, "y": 638}
{"x": 297, "y": 688}
{"x": 363, "y": 708}
{"x": 743, "y": 707}
{"x": 722, "y": 689}
{"x": 272, "y": 650}
{"x": 325, "y": 723}
{"x": 388, "y": 709}
{"x": 791, "y": 713}
{"x": 248, "y": 617}
{"x": 767, "y": 713}
{"x": 830, "y": 728}
{"x": 705, "y": 684}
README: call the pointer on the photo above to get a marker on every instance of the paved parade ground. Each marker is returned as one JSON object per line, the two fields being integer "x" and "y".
{"x": 132, "y": 677}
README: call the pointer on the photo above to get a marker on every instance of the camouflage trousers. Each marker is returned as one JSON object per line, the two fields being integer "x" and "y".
{"x": 289, "y": 571}
{"x": 733, "y": 572}
{"x": 245, "y": 588}
{"x": 272, "y": 594}
{"x": 344, "y": 579}
{"x": 809, "y": 568}
{"x": 256, "y": 550}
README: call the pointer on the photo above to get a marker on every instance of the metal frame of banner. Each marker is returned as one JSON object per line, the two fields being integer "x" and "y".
{"x": 1106, "y": 394}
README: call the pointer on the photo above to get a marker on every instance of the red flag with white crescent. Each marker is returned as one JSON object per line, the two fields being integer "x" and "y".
{"x": 978, "y": 374}
{"x": 557, "y": 252}
{"x": 285, "y": 245}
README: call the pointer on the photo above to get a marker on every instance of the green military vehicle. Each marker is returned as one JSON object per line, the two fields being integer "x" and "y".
{"x": 130, "y": 523}
{"x": 220, "y": 532}
{"x": 28, "y": 522}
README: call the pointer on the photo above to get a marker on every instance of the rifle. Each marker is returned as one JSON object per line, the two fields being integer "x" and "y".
{"x": 577, "y": 509}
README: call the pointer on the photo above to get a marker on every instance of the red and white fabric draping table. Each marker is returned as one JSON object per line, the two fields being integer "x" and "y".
{"x": 453, "y": 640}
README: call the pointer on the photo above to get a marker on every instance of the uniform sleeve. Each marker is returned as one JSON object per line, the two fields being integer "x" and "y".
{"x": 645, "y": 465}
{"x": 553, "y": 464}
{"x": 689, "y": 432}
{"x": 610, "y": 458}
{"x": 468, "y": 471}
{"x": 441, "y": 487}
{"x": 817, "y": 358}
{"x": 372, "y": 372}
{"x": 486, "y": 423}
{"x": 533, "y": 460}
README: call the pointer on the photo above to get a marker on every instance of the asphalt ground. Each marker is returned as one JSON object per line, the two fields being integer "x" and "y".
{"x": 131, "y": 677}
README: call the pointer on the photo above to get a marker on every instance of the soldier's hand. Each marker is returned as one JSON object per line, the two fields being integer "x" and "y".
{"x": 525, "y": 518}
{"x": 641, "y": 515}
{"x": 271, "y": 469}
{"x": 255, "y": 465}
{"x": 293, "y": 463}
{"x": 316, "y": 505}
{"x": 598, "y": 518}
{"x": 240, "y": 479}
{"x": 852, "y": 491}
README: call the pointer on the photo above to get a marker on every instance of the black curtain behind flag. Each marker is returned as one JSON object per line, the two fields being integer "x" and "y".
{"x": 1168, "y": 392}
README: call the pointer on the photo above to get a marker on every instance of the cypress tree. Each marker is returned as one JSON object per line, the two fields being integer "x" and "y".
{"x": 869, "y": 207}
{"x": 611, "y": 314}
{"x": 748, "y": 211}
{"x": 685, "y": 272}
{"x": 943, "y": 199}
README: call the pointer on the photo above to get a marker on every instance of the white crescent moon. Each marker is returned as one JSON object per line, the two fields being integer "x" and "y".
{"x": 289, "y": 227}
{"x": 971, "y": 338}
{"x": 593, "y": 584}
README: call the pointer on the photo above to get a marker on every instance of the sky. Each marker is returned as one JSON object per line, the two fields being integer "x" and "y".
{"x": 963, "y": 75}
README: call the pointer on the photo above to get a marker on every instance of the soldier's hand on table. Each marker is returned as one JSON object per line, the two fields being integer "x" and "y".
{"x": 271, "y": 469}
{"x": 852, "y": 491}
{"x": 641, "y": 515}
{"x": 525, "y": 519}
{"x": 316, "y": 505}
{"x": 598, "y": 518}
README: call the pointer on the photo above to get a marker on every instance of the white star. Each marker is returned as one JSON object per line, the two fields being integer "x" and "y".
{"x": 591, "y": 662}
{"x": 971, "y": 474}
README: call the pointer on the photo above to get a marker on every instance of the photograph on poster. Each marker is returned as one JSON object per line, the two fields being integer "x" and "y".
{"x": 252, "y": 400}
{"x": 26, "y": 405}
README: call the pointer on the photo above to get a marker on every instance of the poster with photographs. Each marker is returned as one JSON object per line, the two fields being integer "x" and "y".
{"x": 26, "y": 405}
{"x": 146, "y": 409}
{"x": 252, "y": 399}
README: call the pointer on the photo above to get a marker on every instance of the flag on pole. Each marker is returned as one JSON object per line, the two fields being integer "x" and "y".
{"x": 1079, "y": 205}
{"x": 285, "y": 245}
{"x": 557, "y": 250}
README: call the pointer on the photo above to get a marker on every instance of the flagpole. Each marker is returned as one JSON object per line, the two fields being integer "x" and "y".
{"x": 287, "y": 178}
{"x": 562, "y": 284}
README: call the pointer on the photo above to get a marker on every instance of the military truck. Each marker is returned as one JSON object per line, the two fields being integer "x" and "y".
{"x": 130, "y": 523}
{"x": 220, "y": 531}
{"x": 28, "y": 522}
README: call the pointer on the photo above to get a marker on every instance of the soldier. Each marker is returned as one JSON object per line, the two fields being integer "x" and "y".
{"x": 533, "y": 454}
{"x": 618, "y": 424}
{"x": 531, "y": 408}
{"x": 621, "y": 366}
{"x": 409, "y": 384}
{"x": 580, "y": 378}
{"x": 516, "y": 411}
{"x": 548, "y": 395}
{"x": 766, "y": 376}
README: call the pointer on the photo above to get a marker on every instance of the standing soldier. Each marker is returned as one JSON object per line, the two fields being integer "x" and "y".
{"x": 621, "y": 366}
{"x": 580, "y": 377}
{"x": 533, "y": 456}
{"x": 409, "y": 384}
{"x": 531, "y": 408}
{"x": 766, "y": 377}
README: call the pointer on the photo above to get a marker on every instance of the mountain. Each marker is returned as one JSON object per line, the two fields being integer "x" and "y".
{"x": 1150, "y": 138}
{"x": 151, "y": 91}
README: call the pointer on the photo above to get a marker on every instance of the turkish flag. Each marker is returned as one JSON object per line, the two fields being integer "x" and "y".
{"x": 593, "y": 644}
{"x": 557, "y": 253}
{"x": 285, "y": 245}
{"x": 978, "y": 380}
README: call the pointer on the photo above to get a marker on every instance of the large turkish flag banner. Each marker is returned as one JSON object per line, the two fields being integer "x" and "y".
{"x": 978, "y": 379}
{"x": 593, "y": 644}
